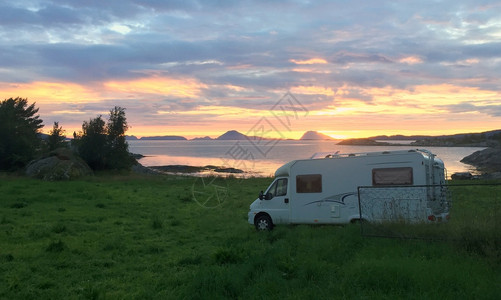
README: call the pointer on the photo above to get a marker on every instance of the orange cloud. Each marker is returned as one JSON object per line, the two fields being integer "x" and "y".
{"x": 312, "y": 90}
{"x": 442, "y": 94}
{"x": 411, "y": 60}
{"x": 189, "y": 88}
{"x": 421, "y": 100}
{"x": 49, "y": 92}
{"x": 308, "y": 70}
{"x": 310, "y": 61}
{"x": 221, "y": 112}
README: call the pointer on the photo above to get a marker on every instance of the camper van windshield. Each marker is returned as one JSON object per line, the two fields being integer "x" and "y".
{"x": 278, "y": 188}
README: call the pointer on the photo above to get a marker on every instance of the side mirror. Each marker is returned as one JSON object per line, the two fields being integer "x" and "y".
{"x": 261, "y": 195}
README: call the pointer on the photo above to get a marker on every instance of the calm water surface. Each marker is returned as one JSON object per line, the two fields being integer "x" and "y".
{"x": 264, "y": 157}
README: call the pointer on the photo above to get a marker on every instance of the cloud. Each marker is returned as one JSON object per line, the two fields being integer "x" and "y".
{"x": 179, "y": 56}
{"x": 411, "y": 60}
{"x": 493, "y": 110}
{"x": 161, "y": 86}
{"x": 310, "y": 61}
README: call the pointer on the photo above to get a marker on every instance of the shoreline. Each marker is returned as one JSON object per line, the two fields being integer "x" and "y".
{"x": 187, "y": 170}
{"x": 195, "y": 169}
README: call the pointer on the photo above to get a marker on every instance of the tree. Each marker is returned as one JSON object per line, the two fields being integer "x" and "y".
{"x": 56, "y": 137}
{"x": 91, "y": 143}
{"x": 105, "y": 147}
{"x": 118, "y": 156}
{"x": 19, "y": 133}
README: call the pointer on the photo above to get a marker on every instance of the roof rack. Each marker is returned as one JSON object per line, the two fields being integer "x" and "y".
{"x": 327, "y": 155}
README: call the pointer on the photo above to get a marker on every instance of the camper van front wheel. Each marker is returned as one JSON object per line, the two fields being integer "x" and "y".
{"x": 263, "y": 222}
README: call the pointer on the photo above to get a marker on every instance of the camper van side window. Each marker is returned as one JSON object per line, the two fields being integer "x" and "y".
{"x": 311, "y": 183}
{"x": 392, "y": 176}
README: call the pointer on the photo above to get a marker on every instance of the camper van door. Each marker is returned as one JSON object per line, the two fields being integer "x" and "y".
{"x": 276, "y": 201}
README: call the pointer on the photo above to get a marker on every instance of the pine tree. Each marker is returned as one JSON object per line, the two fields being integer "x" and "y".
{"x": 19, "y": 133}
{"x": 56, "y": 138}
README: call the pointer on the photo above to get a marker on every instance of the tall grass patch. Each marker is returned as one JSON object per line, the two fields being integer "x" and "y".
{"x": 145, "y": 237}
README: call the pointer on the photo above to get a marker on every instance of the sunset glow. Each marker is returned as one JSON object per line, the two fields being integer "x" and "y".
{"x": 310, "y": 61}
{"x": 182, "y": 88}
{"x": 180, "y": 69}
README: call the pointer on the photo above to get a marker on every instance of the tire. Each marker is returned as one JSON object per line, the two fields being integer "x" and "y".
{"x": 263, "y": 223}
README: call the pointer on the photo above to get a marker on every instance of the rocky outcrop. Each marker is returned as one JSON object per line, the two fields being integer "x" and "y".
{"x": 194, "y": 169}
{"x": 60, "y": 164}
{"x": 140, "y": 169}
{"x": 487, "y": 160}
{"x": 462, "y": 176}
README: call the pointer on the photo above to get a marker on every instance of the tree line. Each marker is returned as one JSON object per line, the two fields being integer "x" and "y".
{"x": 101, "y": 143}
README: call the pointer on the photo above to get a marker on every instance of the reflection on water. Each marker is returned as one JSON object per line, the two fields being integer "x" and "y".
{"x": 260, "y": 160}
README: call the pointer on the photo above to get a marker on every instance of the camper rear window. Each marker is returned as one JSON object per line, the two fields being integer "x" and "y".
{"x": 392, "y": 176}
{"x": 311, "y": 183}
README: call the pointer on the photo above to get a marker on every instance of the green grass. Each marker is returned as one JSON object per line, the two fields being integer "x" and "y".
{"x": 146, "y": 238}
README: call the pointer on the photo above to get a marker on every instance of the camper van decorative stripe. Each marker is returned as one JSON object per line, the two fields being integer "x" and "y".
{"x": 339, "y": 198}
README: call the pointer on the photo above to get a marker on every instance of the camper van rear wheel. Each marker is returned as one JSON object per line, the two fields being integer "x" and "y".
{"x": 263, "y": 222}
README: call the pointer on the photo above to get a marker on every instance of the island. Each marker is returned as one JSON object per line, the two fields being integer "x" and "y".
{"x": 194, "y": 169}
{"x": 483, "y": 139}
{"x": 313, "y": 135}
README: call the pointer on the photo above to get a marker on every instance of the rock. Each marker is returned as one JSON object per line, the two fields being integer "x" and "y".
{"x": 487, "y": 160}
{"x": 136, "y": 156}
{"x": 60, "y": 164}
{"x": 178, "y": 169}
{"x": 494, "y": 175}
{"x": 228, "y": 170}
{"x": 194, "y": 169}
{"x": 140, "y": 169}
{"x": 462, "y": 176}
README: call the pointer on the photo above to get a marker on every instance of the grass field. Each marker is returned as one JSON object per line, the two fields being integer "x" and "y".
{"x": 126, "y": 237}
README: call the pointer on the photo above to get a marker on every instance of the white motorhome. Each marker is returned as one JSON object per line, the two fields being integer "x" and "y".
{"x": 326, "y": 190}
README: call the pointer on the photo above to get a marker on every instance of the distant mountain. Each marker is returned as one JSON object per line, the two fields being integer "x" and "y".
{"x": 43, "y": 136}
{"x": 313, "y": 135}
{"x": 363, "y": 142}
{"x": 205, "y": 138}
{"x": 482, "y": 135}
{"x": 483, "y": 139}
{"x": 131, "y": 138}
{"x": 232, "y": 135}
{"x": 163, "y": 137}
{"x": 399, "y": 137}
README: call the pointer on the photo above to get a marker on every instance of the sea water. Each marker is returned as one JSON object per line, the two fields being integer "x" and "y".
{"x": 262, "y": 158}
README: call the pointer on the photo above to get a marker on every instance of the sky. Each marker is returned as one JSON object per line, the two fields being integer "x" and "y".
{"x": 273, "y": 68}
